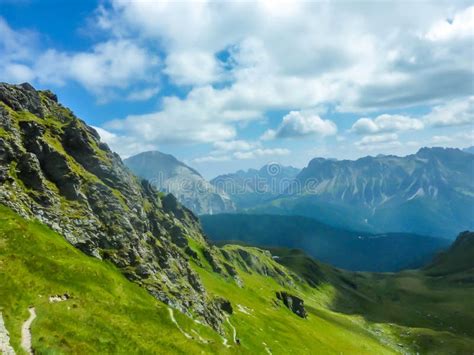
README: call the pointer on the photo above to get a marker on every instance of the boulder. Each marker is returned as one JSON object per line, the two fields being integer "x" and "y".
{"x": 224, "y": 304}
{"x": 294, "y": 303}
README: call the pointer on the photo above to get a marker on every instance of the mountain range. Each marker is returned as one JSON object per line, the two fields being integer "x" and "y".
{"x": 429, "y": 193}
{"x": 170, "y": 175}
{"x": 93, "y": 259}
{"x": 253, "y": 187}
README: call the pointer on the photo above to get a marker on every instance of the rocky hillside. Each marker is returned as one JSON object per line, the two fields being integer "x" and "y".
{"x": 253, "y": 187}
{"x": 170, "y": 175}
{"x": 53, "y": 167}
{"x": 429, "y": 193}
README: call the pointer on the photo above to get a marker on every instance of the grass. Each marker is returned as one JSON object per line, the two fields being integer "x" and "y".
{"x": 349, "y": 313}
{"x": 424, "y": 313}
{"x": 109, "y": 314}
{"x": 271, "y": 325}
{"x": 106, "y": 312}
{"x": 432, "y": 314}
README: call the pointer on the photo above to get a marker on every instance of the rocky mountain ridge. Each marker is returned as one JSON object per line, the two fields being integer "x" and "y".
{"x": 428, "y": 193}
{"x": 375, "y": 181}
{"x": 54, "y": 168}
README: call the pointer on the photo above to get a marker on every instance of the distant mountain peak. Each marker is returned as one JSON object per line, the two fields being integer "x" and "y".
{"x": 164, "y": 157}
{"x": 171, "y": 175}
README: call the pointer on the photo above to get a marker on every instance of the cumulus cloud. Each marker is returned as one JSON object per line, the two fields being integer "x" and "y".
{"x": 302, "y": 63}
{"x": 125, "y": 146}
{"x": 235, "y": 145}
{"x": 386, "y": 123}
{"x": 458, "y": 139}
{"x": 193, "y": 68}
{"x": 240, "y": 150}
{"x": 143, "y": 94}
{"x": 233, "y": 62}
{"x": 301, "y": 124}
{"x": 306, "y": 59}
{"x": 379, "y": 143}
{"x": 200, "y": 117}
{"x": 381, "y": 138}
{"x": 454, "y": 113}
{"x": 259, "y": 153}
{"x": 16, "y": 48}
{"x": 462, "y": 25}
{"x": 116, "y": 63}
{"x": 111, "y": 64}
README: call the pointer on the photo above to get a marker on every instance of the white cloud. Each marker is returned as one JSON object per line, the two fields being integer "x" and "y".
{"x": 235, "y": 61}
{"x": 462, "y": 25}
{"x": 116, "y": 63}
{"x": 112, "y": 64}
{"x": 386, "y": 123}
{"x": 16, "y": 73}
{"x": 240, "y": 150}
{"x": 441, "y": 139}
{"x": 203, "y": 116}
{"x": 284, "y": 55}
{"x": 16, "y": 48}
{"x": 458, "y": 139}
{"x": 259, "y": 153}
{"x": 236, "y": 145}
{"x": 376, "y": 139}
{"x": 212, "y": 159}
{"x": 143, "y": 94}
{"x": 453, "y": 113}
{"x": 301, "y": 124}
{"x": 302, "y": 63}
{"x": 193, "y": 68}
{"x": 123, "y": 145}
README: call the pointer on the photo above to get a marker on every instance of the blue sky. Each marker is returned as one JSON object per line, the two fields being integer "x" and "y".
{"x": 231, "y": 85}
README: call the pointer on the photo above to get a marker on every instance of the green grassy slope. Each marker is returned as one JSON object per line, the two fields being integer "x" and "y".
{"x": 108, "y": 314}
{"x": 350, "y": 313}
{"x": 105, "y": 314}
{"x": 263, "y": 323}
{"x": 429, "y": 314}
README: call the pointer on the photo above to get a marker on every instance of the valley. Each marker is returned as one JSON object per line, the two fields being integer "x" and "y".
{"x": 357, "y": 251}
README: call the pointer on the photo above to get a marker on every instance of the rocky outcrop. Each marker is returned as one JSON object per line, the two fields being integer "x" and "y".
{"x": 224, "y": 304}
{"x": 54, "y": 168}
{"x": 295, "y": 304}
{"x": 22, "y": 97}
